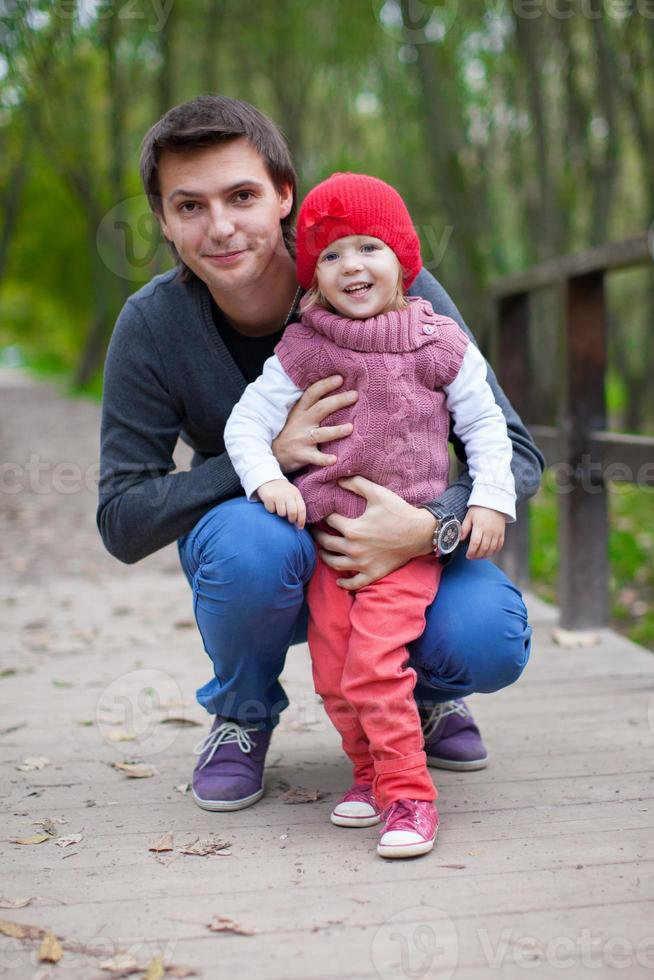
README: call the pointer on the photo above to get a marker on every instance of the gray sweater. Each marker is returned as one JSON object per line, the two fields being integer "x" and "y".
{"x": 168, "y": 375}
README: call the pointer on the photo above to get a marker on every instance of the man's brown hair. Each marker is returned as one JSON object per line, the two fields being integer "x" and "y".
{"x": 205, "y": 121}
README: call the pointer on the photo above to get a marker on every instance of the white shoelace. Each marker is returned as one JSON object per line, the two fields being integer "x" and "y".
{"x": 440, "y": 711}
{"x": 229, "y": 731}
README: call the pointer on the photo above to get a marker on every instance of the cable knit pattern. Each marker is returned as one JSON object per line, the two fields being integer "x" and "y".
{"x": 398, "y": 362}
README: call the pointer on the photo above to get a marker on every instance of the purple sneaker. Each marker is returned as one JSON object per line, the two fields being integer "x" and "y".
{"x": 452, "y": 740}
{"x": 229, "y": 772}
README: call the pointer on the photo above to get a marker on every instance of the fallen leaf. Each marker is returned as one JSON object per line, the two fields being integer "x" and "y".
{"x": 181, "y": 971}
{"x": 155, "y": 969}
{"x": 86, "y": 722}
{"x": 298, "y": 794}
{"x": 56, "y": 683}
{"x": 477, "y": 853}
{"x": 33, "y": 762}
{"x": 8, "y": 672}
{"x": 67, "y": 841}
{"x": 456, "y": 867}
{"x": 220, "y": 923}
{"x": 120, "y": 736}
{"x": 183, "y": 788}
{"x": 14, "y": 903}
{"x": 19, "y": 930}
{"x": 184, "y": 624}
{"x": 48, "y": 824}
{"x": 122, "y": 964}
{"x": 134, "y": 770}
{"x": 164, "y": 843}
{"x": 50, "y": 951}
{"x": 181, "y": 721}
{"x": 36, "y": 839}
{"x": 206, "y": 846}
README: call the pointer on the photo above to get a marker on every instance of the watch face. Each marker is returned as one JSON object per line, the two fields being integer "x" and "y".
{"x": 449, "y": 537}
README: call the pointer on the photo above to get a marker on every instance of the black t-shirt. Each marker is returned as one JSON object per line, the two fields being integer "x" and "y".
{"x": 249, "y": 353}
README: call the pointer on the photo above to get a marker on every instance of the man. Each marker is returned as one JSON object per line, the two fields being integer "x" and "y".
{"x": 220, "y": 180}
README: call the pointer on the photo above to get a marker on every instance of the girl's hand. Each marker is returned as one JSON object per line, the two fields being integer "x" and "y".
{"x": 486, "y": 530}
{"x": 297, "y": 444}
{"x": 388, "y": 535}
{"x": 282, "y": 498}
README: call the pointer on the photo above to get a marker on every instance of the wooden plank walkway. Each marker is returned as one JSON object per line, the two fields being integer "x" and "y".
{"x": 545, "y": 860}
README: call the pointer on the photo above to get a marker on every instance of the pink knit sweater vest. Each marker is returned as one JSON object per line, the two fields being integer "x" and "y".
{"x": 398, "y": 362}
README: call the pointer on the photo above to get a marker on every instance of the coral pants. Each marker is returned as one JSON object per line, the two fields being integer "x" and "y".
{"x": 358, "y": 642}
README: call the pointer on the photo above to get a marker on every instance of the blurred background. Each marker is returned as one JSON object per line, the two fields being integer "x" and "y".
{"x": 517, "y": 130}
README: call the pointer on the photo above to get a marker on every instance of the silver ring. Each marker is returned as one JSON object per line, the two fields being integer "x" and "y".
{"x": 313, "y": 434}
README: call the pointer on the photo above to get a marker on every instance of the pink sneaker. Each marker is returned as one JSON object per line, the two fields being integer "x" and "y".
{"x": 410, "y": 828}
{"x": 356, "y": 808}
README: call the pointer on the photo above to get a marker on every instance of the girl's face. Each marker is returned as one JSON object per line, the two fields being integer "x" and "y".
{"x": 359, "y": 276}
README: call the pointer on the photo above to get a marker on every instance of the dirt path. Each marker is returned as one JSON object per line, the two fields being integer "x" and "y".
{"x": 545, "y": 860}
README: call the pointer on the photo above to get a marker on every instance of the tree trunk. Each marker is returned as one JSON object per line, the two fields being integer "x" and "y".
{"x": 12, "y": 197}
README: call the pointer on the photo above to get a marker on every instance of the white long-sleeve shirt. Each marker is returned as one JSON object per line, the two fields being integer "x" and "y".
{"x": 261, "y": 413}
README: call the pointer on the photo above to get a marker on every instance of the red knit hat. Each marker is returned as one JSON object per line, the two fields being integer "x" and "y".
{"x": 354, "y": 204}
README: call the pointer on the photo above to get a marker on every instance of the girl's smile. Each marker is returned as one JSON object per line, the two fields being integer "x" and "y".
{"x": 359, "y": 276}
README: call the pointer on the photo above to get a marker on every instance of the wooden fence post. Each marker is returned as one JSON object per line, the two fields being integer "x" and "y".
{"x": 583, "y": 510}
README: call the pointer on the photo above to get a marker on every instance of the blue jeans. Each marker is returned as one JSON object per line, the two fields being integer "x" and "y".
{"x": 248, "y": 569}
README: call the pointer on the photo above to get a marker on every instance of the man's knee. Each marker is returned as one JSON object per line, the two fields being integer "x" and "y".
{"x": 245, "y": 539}
{"x": 502, "y": 652}
{"x": 478, "y": 638}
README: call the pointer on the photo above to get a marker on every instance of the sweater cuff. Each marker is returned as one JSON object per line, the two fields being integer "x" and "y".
{"x": 454, "y": 500}
{"x": 261, "y": 473}
{"x": 495, "y": 498}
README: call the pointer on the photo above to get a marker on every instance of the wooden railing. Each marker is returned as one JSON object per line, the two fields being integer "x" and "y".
{"x": 588, "y": 456}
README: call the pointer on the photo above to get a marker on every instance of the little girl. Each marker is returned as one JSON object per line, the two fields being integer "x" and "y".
{"x": 357, "y": 254}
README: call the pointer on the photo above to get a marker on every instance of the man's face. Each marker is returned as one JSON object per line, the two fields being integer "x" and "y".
{"x": 222, "y": 212}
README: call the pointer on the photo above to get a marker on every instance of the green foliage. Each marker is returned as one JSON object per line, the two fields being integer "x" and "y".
{"x": 354, "y": 88}
{"x": 631, "y": 554}
{"x": 512, "y": 139}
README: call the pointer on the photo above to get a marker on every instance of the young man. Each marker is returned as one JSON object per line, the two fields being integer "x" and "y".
{"x": 220, "y": 180}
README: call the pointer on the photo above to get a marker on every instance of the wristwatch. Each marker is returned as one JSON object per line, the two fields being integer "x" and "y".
{"x": 447, "y": 532}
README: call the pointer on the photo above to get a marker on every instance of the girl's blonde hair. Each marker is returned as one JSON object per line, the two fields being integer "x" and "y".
{"x": 316, "y": 297}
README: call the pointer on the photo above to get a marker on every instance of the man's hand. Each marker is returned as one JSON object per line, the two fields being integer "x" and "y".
{"x": 297, "y": 444}
{"x": 282, "y": 498}
{"x": 487, "y": 527}
{"x": 388, "y": 535}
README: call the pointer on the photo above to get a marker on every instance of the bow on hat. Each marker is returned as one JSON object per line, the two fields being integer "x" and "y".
{"x": 315, "y": 215}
